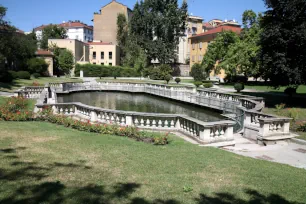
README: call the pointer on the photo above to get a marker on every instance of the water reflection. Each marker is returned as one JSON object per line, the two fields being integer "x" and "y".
{"x": 140, "y": 103}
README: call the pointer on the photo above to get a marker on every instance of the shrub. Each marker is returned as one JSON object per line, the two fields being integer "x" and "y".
{"x": 168, "y": 78}
{"x": 37, "y": 65}
{"x": 197, "y": 83}
{"x": 235, "y": 79}
{"x": 177, "y": 80}
{"x": 290, "y": 91}
{"x": 208, "y": 85}
{"x": 6, "y": 77}
{"x": 15, "y": 109}
{"x": 23, "y": 75}
{"x": 293, "y": 113}
{"x": 301, "y": 126}
{"x": 36, "y": 75}
{"x": 160, "y": 72}
{"x": 92, "y": 70}
{"x": 198, "y": 72}
{"x": 280, "y": 107}
{"x": 239, "y": 87}
{"x": 13, "y": 74}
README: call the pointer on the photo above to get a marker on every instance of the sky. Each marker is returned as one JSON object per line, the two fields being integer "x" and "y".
{"x": 28, "y": 14}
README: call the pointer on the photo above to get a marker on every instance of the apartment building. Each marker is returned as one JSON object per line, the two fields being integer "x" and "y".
{"x": 104, "y": 54}
{"x": 199, "y": 43}
{"x": 105, "y": 21}
{"x": 76, "y": 30}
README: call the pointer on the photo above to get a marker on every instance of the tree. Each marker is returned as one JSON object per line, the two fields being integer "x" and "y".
{"x": 52, "y": 32}
{"x": 242, "y": 56}
{"x": 283, "y": 42}
{"x": 37, "y": 65}
{"x": 122, "y": 34}
{"x": 66, "y": 61}
{"x": 158, "y": 25}
{"x": 198, "y": 72}
{"x": 218, "y": 49}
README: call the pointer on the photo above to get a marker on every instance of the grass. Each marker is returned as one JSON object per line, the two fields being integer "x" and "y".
{"x": 265, "y": 88}
{"x": 45, "y": 163}
{"x": 18, "y": 83}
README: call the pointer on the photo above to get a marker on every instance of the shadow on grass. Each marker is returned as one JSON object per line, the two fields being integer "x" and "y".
{"x": 10, "y": 86}
{"x": 21, "y": 182}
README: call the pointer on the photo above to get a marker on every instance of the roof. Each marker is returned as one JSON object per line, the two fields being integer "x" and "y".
{"x": 75, "y": 25}
{"x": 99, "y": 43}
{"x": 43, "y": 52}
{"x": 196, "y": 17}
{"x": 40, "y": 27}
{"x": 117, "y": 3}
{"x": 219, "y": 30}
{"x": 208, "y": 25}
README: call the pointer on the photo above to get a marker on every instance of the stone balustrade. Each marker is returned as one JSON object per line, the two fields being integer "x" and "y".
{"x": 30, "y": 92}
{"x": 203, "y": 132}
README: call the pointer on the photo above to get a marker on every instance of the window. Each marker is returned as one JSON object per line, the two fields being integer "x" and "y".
{"x": 193, "y": 58}
{"x": 110, "y": 64}
{"x": 200, "y": 58}
{"x": 102, "y": 63}
{"x": 102, "y": 55}
{"x": 193, "y": 46}
{"x": 94, "y": 63}
{"x": 94, "y": 55}
{"x": 110, "y": 55}
{"x": 201, "y": 45}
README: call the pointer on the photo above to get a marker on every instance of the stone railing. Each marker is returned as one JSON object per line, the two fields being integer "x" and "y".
{"x": 245, "y": 110}
{"x": 203, "y": 132}
{"x": 30, "y": 92}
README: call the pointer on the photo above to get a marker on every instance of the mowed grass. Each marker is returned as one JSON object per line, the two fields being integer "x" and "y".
{"x": 265, "y": 88}
{"x": 44, "y": 163}
{"x": 18, "y": 83}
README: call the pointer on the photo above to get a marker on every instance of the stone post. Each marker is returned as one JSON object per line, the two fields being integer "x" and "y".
{"x": 129, "y": 120}
{"x": 248, "y": 118}
{"x": 93, "y": 116}
{"x": 286, "y": 126}
{"x": 229, "y": 132}
{"x": 264, "y": 127}
{"x": 81, "y": 74}
{"x": 177, "y": 125}
{"x": 205, "y": 134}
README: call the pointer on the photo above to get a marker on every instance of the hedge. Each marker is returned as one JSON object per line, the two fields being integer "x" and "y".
{"x": 92, "y": 70}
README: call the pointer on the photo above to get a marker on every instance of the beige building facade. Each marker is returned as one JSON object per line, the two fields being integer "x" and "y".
{"x": 104, "y": 54}
{"x": 105, "y": 22}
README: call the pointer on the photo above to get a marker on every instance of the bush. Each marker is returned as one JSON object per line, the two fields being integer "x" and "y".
{"x": 239, "y": 87}
{"x": 6, "y": 77}
{"x": 177, "y": 80}
{"x": 160, "y": 72}
{"x": 197, "y": 83}
{"x": 92, "y": 70}
{"x": 23, "y": 75}
{"x": 208, "y": 85}
{"x": 235, "y": 79}
{"x": 198, "y": 72}
{"x": 290, "y": 91}
{"x": 301, "y": 126}
{"x": 15, "y": 109}
{"x": 13, "y": 74}
{"x": 168, "y": 78}
{"x": 36, "y": 75}
{"x": 37, "y": 65}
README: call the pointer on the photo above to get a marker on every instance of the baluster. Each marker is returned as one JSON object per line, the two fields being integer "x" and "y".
{"x": 153, "y": 123}
{"x": 123, "y": 120}
{"x": 142, "y": 122}
{"x": 148, "y": 123}
{"x": 61, "y": 111}
{"x": 166, "y": 124}
{"x": 160, "y": 124}
{"x": 117, "y": 120}
{"x": 136, "y": 122}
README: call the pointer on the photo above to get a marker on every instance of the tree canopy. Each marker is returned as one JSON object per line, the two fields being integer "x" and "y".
{"x": 283, "y": 42}
{"x": 122, "y": 34}
{"x": 52, "y": 32}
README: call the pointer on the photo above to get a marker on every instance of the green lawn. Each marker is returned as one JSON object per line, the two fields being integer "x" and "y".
{"x": 18, "y": 83}
{"x": 45, "y": 163}
{"x": 301, "y": 89}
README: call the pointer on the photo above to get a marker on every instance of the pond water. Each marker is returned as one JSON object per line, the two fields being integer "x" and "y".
{"x": 139, "y": 102}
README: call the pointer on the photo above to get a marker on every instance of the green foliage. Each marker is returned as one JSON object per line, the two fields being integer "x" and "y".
{"x": 283, "y": 42}
{"x": 198, "y": 72}
{"x": 92, "y": 70}
{"x": 15, "y": 109}
{"x": 235, "y": 78}
{"x": 168, "y": 78}
{"x": 301, "y": 126}
{"x": 218, "y": 49}
{"x": 122, "y": 35}
{"x": 24, "y": 75}
{"x": 187, "y": 189}
{"x": 157, "y": 26}
{"x": 36, "y": 75}
{"x": 290, "y": 91}
{"x": 14, "y": 74}
{"x": 197, "y": 83}
{"x": 208, "y": 85}
{"x": 160, "y": 72}
{"x": 37, "y": 65}
{"x": 239, "y": 87}
{"x": 280, "y": 107}
{"x": 52, "y": 32}
{"x": 177, "y": 80}
{"x": 65, "y": 61}
{"x": 6, "y": 77}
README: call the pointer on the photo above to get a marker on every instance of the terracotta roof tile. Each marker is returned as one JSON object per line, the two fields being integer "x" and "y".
{"x": 43, "y": 52}
{"x": 219, "y": 30}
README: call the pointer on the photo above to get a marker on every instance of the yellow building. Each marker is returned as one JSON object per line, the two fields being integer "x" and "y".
{"x": 48, "y": 57}
{"x": 104, "y": 54}
{"x": 105, "y": 22}
{"x": 199, "y": 43}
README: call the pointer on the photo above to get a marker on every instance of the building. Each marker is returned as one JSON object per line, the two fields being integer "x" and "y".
{"x": 104, "y": 53}
{"x": 76, "y": 30}
{"x": 48, "y": 57}
{"x": 105, "y": 22}
{"x": 199, "y": 43}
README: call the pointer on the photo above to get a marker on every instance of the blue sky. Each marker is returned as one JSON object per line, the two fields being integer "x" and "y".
{"x": 27, "y": 14}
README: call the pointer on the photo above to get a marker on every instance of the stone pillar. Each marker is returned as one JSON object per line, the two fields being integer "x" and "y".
{"x": 247, "y": 118}
{"x": 93, "y": 116}
{"x": 129, "y": 120}
{"x": 81, "y": 74}
{"x": 178, "y": 124}
{"x": 205, "y": 134}
{"x": 229, "y": 133}
{"x": 264, "y": 128}
{"x": 286, "y": 127}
